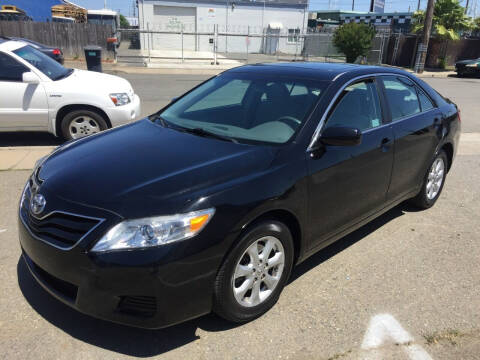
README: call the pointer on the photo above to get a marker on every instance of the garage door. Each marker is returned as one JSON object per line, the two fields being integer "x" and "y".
{"x": 171, "y": 18}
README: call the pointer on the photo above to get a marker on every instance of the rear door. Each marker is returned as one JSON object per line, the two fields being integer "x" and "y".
{"x": 22, "y": 106}
{"x": 348, "y": 183}
{"x": 416, "y": 123}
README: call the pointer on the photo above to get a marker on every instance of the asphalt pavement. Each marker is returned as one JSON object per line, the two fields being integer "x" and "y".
{"x": 405, "y": 286}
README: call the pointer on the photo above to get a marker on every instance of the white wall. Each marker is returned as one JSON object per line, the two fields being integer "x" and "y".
{"x": 240, "y": 20}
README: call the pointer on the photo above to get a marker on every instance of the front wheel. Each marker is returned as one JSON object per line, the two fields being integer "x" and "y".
{"x": 80, "y": 123}
{"x": 254, "y": 274}
{"x": 433, "y": 182}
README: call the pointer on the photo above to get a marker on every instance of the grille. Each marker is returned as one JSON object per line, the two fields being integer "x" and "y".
{"x": 145, "y": 306}
{"x": 61, "y": 229}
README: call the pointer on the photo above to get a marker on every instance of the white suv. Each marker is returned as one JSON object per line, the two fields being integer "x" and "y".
{"x": 39, "y": 94}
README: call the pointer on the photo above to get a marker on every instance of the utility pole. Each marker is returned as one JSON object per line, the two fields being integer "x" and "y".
{"x": 423, "y": 46}
{"x": 372, "y": 3}
{"x": 466, "y": 7}
{"x": 353, "y": 5}
{"x": 418, "y": 5}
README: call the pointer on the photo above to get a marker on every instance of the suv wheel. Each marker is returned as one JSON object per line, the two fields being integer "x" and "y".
{"x": 254, "y": 274}
{"x": 80, "y": 123}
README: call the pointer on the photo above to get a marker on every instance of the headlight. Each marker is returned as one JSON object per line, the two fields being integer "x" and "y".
{"x": 153, "y": 231}
{"x": 120, "y": 99}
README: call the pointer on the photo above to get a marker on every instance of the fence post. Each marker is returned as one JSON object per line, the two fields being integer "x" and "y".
{"x": 215, "y": 40}
{"x": 183, "y": 59}
{"x": 248, "y": 39}
{"x": 328, "y": 47}
{"x": 147, "y": 37}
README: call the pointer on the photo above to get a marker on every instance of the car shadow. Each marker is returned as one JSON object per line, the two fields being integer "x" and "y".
{"x": 145, "y": 343}
{"x": 29, "y": 139}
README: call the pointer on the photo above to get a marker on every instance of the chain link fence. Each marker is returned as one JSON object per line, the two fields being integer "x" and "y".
{"x": 211, "y": 44}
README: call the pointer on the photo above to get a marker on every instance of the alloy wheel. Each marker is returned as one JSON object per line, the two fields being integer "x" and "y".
{"x": 82, "y": 126}
{"x": 435, "y": 178}
{"x": 258, "y": 271}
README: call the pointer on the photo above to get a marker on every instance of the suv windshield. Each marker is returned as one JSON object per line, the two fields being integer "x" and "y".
{"x": 42, "y": 62}
{"x": 246, "y": 107}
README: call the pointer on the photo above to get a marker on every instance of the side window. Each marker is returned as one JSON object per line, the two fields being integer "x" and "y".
{"x": 230, "y": 94}
{"x": 425, "y": 102}
{"x": 358, "y": 107}
{"x": 10, "y": 69}
{"x": 402, "y": 97}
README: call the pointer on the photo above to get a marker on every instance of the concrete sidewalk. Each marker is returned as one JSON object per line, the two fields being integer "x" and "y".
{"x": 191, "y": 67}
{"x": 24, "y": 157}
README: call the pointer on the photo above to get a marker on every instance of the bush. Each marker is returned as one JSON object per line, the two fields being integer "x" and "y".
{"x": 442, "y": 62}
{"x": 354, "y": 40}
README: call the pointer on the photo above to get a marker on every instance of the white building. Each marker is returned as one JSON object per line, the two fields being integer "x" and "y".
{"x": 236, "y": 17}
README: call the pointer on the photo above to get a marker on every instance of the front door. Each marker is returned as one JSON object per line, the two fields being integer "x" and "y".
{"x": 347, "y": 183}
{"x": 22, "y": 106}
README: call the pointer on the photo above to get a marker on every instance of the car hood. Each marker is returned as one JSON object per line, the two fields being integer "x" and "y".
{"x": 145, "y": 166}
{"x": 94, "y": 81}
{"x": 467, "y": 62}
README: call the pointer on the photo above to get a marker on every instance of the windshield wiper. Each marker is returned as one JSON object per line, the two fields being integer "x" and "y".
{"x": 206, "y": 133}
{"x": 162, "y": 121}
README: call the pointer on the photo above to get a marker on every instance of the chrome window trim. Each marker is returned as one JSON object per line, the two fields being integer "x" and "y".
{"x": 100, "y": 221}
{"x": 319, "y": 127}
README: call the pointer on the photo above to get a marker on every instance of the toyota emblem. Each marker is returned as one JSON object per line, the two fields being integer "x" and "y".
{"x": 37, "y": 204}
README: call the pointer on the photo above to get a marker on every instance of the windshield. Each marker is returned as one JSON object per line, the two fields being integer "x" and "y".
{"x": 42, "y": 62}
{"x": 247, "y": 107}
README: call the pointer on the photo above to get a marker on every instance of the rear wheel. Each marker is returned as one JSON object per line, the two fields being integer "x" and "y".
{"x": 254, "y": 274}
{"x": 80, "y": 123}
{"x": 433, "y": 182}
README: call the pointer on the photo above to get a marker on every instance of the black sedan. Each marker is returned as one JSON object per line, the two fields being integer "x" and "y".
{"x": 468, "y": 67}
{"x": 54, "y": 52}
{"x": 209, "y": 203}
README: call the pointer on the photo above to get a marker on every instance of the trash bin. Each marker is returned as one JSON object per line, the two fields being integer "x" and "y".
{"x": 93, "y": 56}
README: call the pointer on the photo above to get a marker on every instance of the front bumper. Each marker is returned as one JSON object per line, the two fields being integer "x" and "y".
{"x": 463, "y": 69}
{"x": 124, "y": 114}
{"x": 151, "y": 288}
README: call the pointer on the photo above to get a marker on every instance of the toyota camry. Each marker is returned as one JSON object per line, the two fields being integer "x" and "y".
{"x": 209, "y": 203}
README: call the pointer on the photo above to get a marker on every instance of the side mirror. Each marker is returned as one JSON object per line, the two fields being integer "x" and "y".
{"x": 341, "y": 136}
{"x": 30, "y": 78}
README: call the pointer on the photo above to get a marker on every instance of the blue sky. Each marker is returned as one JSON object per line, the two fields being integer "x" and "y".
{"x": 125, "y": 6}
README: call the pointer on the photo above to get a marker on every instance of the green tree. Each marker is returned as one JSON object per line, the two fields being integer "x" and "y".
{"x": 449, "y": 20}
{"x": 354, "y": 40}
{"x": 476, "y": 24}
{"x": 124, "y": 24}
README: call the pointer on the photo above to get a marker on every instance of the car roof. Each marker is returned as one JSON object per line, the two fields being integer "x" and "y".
{"x": 11, "y": 45}
{"x": 313, "y": 70}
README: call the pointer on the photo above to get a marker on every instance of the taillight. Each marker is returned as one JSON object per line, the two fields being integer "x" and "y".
{"x": 459, "y": 119}
{"x": 56, "y": 52}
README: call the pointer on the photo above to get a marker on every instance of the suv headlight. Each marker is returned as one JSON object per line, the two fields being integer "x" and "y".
{"x": 153, "y": 231}
{"x": 120, "y": 99}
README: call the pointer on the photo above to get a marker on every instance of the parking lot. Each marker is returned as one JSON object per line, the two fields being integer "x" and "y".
{"x": 405, "y": 286}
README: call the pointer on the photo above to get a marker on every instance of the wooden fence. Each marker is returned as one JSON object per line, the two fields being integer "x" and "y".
{"x": 71, "y": 38}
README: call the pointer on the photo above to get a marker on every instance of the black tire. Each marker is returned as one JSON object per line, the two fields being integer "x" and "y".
{"x": 69, "y": 117}
{"x": 225, "y": 304}
{"x": 422, "y": 201}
